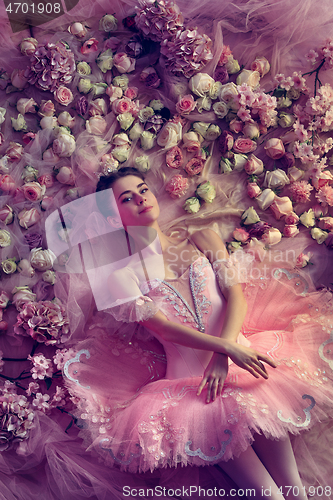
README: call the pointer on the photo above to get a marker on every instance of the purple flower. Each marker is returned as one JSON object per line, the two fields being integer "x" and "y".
{"x": 154, "y": 124}
{"x": 152, "y": 81}
{"x": 258, "y": 229}
{"x": 135, "y": 47}
{"x": 34, "y": 240}
{"x": 287, "y": 161}
{"x": 221, "y": 75}
{"x": 43, "y": 290}
{"x": 82, "y": 105}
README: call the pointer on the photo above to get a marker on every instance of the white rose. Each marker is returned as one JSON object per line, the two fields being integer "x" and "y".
{"x": 49, "y": 277}
{"x": 142, "y": 163}
{"x": 178, "y": 89}
{"x": 201, "y": 128}
{"x": 64, "y": 145}
{"x": 239, "y": 161}
{"x": 203, "y": 103}
{"x": 5, "y": 239}
{"x": 227, "y": 94}
{"x": 19, "y": 123}
{"x": 121, "y": 153}
{"x": 215, "y": 90}
{"x": 3, "y": 111}
{"x": 276, "y": 178}
{"x": 98, "y": 107}
{"x": 48, "y": 122}
{"x": 30, "y": 174}
{"x": 114, "y": 93}
{"x": 98, "y": 89}
{"x": 120, "y": 139}
{"x": 192, "y": 205}
{"x": 25, "y": 269}
{"x": 265, "y": 199}
{"x": 84, "y": 85}
{"x": 65, "y": 119}
{"x": 170, "y": 135}
{"x": 221, "y": 109}
{"x": 200, "y": 84}
{"x": 125, "y": 120}
{"x": 108, "y": 23}
{"x": 319, "y": 235}
{"x": 250, "y": 216}
{"x": 283, "y": 102}
{"x": 251, "y": 130}
{"x": 295, "y": 174}
{"x": 156, "y": 104}
{"x": 308, "y": 218}
{"x": 147, "y": 140}
{"x": 135, "y": 131}
{"x": 206, "y": 191}
{"x": 251, "y": 78}
{"x": 25, "y": 105}
{"x": 286, "y": 120}
{"x": 9, "y": 266}
{"x": 145, "y": 114}
{"x": 21, "y": 295}
{"x": 105, "y": 61}
{"x": 225, "y": 166}
{"x": 213, "y": 132}
{"x": 232, "y": 66}
{"x": 83, "y": 68}
{"x": 96, "y": 125}
{"x": 42, "y": 260}
{"x": 121, "y": 81}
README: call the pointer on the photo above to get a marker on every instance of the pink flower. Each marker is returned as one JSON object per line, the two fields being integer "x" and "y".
{"x": 174, "y": 157}
{"x": 326, "y": 223}
{"x": 274, "y": 148}
{"x": 241, "y": 235}
{"x": 177, "y": 186}
{"x": 89, "y": 46}
{"x": 120, "y": 106}
{"x": 254, "y": 166}
{"x": 272, "y": 236}
{"x": 236, "y": 126}
{"x": 261, "y": 65}
{"x": 325, "y": 195}
{"x": 66, "y": 176}
{"x": 300, "y": 191}
{"x": 25, "y": 105}
{"x": 191, "y": 142}
{"x": 244, "y": 145}
{"x": 225, "y": 54}
{"x": 185, "y": 105}
{"x": 281, "y": 206}
{"x": 46, "y": 108}
{"x": 46, "y": 180}
{"x": 303, "y": 259}
{"x": 42, "y": 367}
{"x": 290, "y": 231}
{"x": 123, "y": 63}
{"x": 29, "y": 217}
{"x": 28, "y": 46}
{"x": 131, "y": 93}
{"x": 6, "y": 215}
{"x": 194, "y": 166}
{"x": 251, "y": 130}
{"x": 28, "y": 137}
{"x": 312, "y": 56}
{"x": 291, "y": 218}
{"x": 63, "y": 95}
{"x": 226, "y": 142}
{"x": 253, "y": 190}
{"x": 7, "y": 183}
{"x": 18, "y": 79}
{"x": 96, "y": 125}
{"x": 14, "y": 151}
{"x": 33, "y": 191}
{"x": 50, "y": 155}
{"x": 4, "y": 299}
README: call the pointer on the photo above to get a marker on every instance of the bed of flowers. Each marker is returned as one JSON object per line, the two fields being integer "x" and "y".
{"x": 93, "y": 99}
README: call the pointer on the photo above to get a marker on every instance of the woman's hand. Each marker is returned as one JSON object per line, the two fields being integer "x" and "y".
{"x": 214, "y": 376}
{"x": 249, "y": 359}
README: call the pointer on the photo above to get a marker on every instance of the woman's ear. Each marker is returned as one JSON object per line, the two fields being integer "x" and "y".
{"x": 114, "y": 222}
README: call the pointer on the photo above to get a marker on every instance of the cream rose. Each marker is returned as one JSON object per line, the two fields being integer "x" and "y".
{"x": 251, "y": 78}
{"x": 147, "y": 140}
{"x": 28, "y": 46}
{"x": 206, "y": 191}
{"x": 215, "y": 90}
{"x": 64, "y": 145}
{"x": 251, "y": 130}
{"x": 19, "y": 123}
{"x": 22, "y": 295}
{"x": 125, "y": 120}
{"x": 121, "y": 153}
{"x": 319, "y": 235}
{"x": 142, "y": 163}
{"x": 25, "y": 105}
{"x": 232, "y": 65}
{"x": 135, "y": 131}
{"x": 261, "y": 65}
{"x": 123, "y": 63}
{"x": 192, "y": 205}
{"x": 220, "y": 109}
{"x": 105, "y": 61}
{"x": 281, "y": 206}
{"x": 308, "y": 218}
{"x": 265, "y": 199}
{"x": 201, "y": 128}
{"x": 48, "y": 122}
{"x": 83, "y": 68}
{"x": 239, "y": 161}
{"x": 272, "y": 236}
{"x": 203, "y": 103}
{"x": 108, "y": 23}
{"x": 84, "y": 85}
{"x": 121, "y": 81}
{"x": 65, "y": 119}
{"x": 25, "y": 269}
{"x": 276, "y": 178}
{"x": 49, "y": 277}
{"x": 29, "y": 217}
{"x": 5, "y": 239}
{"x": 9, "y": 266}
{"x": 96, "y": 125}
{"x": 200, "y": 84}
{"x": 250, "y": 216}
{"x": 286, "y": 120}
{"x": 170, "y": 135}
{"x": 42, "y": 260}
{"x": 213, "y": 132}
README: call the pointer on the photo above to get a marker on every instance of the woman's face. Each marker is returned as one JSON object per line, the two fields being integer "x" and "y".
{"x": 136, "y": 204}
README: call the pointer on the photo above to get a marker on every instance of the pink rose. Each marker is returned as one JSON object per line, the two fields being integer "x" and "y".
{"x": 33, "y": 191}
{"x": 241, "y": 235}
{"x": 25, "y": 105}
{"x": 46, "y": 180}
{"x": 174, "y": 157}
{"x": 96, "y": 125}
{"x": 281, "y": 206}
{"x": 291, "y": 218}
{"x": 6, "y": 215}
{"x": 177, "y": 186}
{"x": 185, "y": 105}
{"x": 274, "y": 148}
{"x": 63, "y": 95}
{"x": 114, "y": 93}
{"x": 98, "y": 107}
{"x": 46, "y": 108}
{"x": 272, "y": 236}
{"x": 131, "y": 93}
{"x": 18, "y": 79}
{"x": 47, "y": 203}
{"x": 123, "y": 63}
{"x": 28, "y": 137}
{"x": 326, "y": 223}
{"x": 244, "y": 145}
{"x": 261, "y": 65}
{"x": 78, "y": 30}
{"x": 7, "y": 183}
{"x": 29, "y": 217}
{"x": 236, "y": 126}
{"x": 194, "y": 166}
{"x": 191, "y": 142}
{"x": 254, "y": 166}
{"x": 50, "y": 155}
{"x": 28, "y": 46}
{"x": 21, "y": 296}
{"x": 4, "y": 299}
{"x": 120, "y": 106}
{"x": 290, "y": 231}
{"x": 64, "y": 145}
{"x": 14, "y": 151}
{"x": 253, "y": 190}
{"x": 66, "y": 176}
{"x": 89, "y": 46}
{"x": 303, "y": 259}
{"x": 226, "y": 142}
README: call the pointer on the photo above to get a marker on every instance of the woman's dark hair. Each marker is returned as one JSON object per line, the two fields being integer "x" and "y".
{"x": 104, "y": 183}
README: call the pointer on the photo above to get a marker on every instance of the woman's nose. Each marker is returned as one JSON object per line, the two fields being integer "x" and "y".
{"x": 140, "y": 199}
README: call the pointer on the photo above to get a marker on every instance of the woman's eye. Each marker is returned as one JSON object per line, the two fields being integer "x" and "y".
{"x": 125, "y": 200}
{"x": 144, "y": 190}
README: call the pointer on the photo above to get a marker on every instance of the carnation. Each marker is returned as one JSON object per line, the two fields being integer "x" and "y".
{"x": 177, "y": 186}
{"x": 300, "y": 191}
{"x": 325, "y": 195}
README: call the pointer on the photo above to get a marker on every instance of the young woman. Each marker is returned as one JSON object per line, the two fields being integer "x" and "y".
{"x": 226, "y": 398}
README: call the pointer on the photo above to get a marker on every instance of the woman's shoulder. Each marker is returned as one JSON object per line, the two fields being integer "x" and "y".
{"x": 210, "y": 244}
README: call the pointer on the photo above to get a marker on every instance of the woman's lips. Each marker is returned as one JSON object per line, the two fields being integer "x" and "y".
{"x": 146, "y": 209}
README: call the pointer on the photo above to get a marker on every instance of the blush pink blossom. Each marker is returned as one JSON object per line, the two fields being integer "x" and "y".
{"x": 131, "y": 93}
{"x": 261, "y": 65}
{"x": 300, "y": 191}
{"x": 14, "y": 151}
{"x": 244, "y": 145}
{"x": 185, "y": 105}
{"x": 47, "y": 203}
{"x": 46, "y": 108}
{"x": 66, "y": 176}
{"x": 123, "y": 63}
{"x": 28, "y": 137}
{"x": 274, "y": 148}
{"x": 241, "y": 235}
{"x": 325, "y": 195}
{"x": 303, "y": 259}
{"x": 272, "y": 236}
{"x": 46, "y": 180}
{"x": 281, "y": 206}
{"x": 174, "y": 157}
{"x": 236, "y": 126}
{"x": 7, "y": 183}
{"x": 253, "y": 190}
{"x": 254, "y": 166}
{"x": 33, "y": 191}
{"x": 177, "y": 186}
{"x": 291, "y": 218}
{"x": 120, "y": 106}
{"x": 28, "y": 217}
{"x": 89, "y": 46}
{"x": 63, "y": 95}
{"x": 194, "y": 166}
{"x": 290, "y": 231}
{"x": 225, "y": 54}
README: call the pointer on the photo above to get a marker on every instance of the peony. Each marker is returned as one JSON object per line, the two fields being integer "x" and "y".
{"x": 254, "y": 166}
{"x": 147, "y": 140}
{"x": 261, "y": 65}
{"x": 123, "y": 63}
{"x": 6, "y": 215}
{"x": 281, "y": 206}
{"x": 194, "y": 166}
{"x": 25, "y": 269}
{"x": 200, "y": 84}
{"x": 185, "y": 105}
{"x": 274, "y": 148}
{"x": 28, "y": 46}
{"x": 63, "y": 95}
{"x": 78, "y": 30}
{"x": 319, "y": 235}
{"x": 25, "y": 105}
{"x": 66, "y": 175}
{"x": 265, "y": 199}
{"x": 89, "y": 46}
{"x": 41, "y": 259}
{"x": 276, "y": 178}
{"x": 244, "y": 145}
{"x": 272, "y": 236}
{"x": 177, "y": 186}
{"x": 33, "y": 191}
{"x": 108, "y": 23}
{"x": 5, "y": 239}
{"x": 170, "y": 135}
{"x": 65, "y": 119}
{"x": 241, "y": 235}
{"x": 192, "y": 205}
{"x": 64, "y": 145}
{"x": 83, "y": 68}
{"x": 105, "y": 61}
{"x": 125, "y": 120}
{"x": 308, "y": 218}
{"x": 249, "y": 77}
{"x": 220, "y": 109}
{"x": 206, "y": 192}
{"x": 174, "y": 157}
{"x": 253, "y": 190}
{"x": 96, "y": 125}
{"x": 142, "y": 163}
